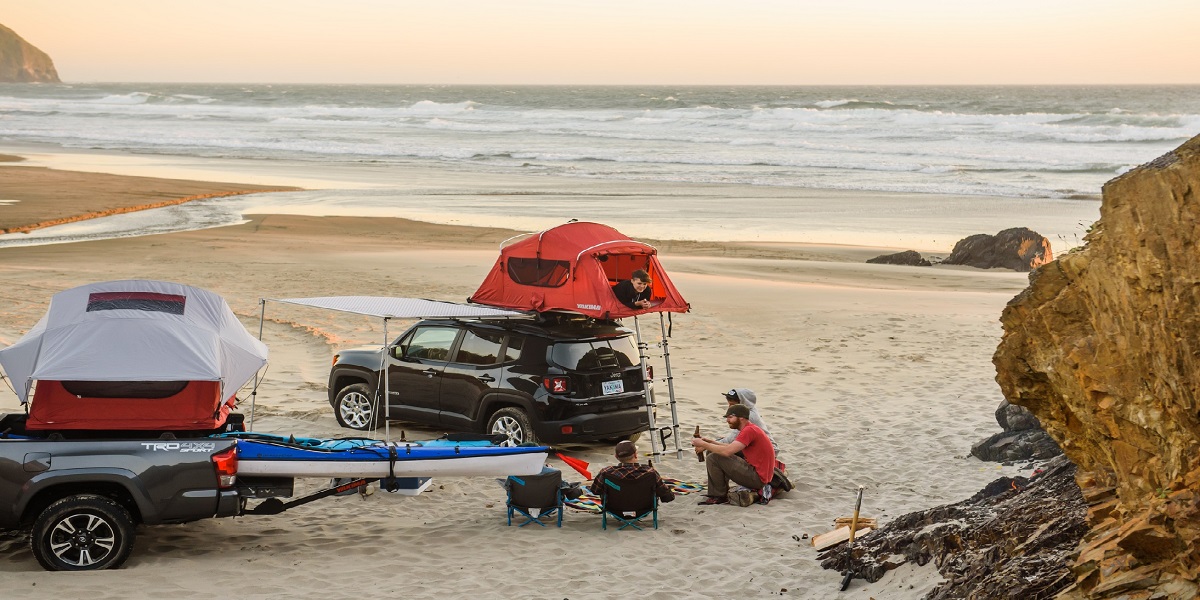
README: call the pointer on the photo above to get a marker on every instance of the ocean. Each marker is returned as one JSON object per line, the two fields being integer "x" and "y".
{"x": 1036, "y": 147}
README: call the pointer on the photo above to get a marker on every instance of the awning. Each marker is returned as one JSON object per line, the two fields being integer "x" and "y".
{"x": 403, "y": 308}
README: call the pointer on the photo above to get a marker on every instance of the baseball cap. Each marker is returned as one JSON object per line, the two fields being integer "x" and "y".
{"x": 732, "y": 396}
{"x": 625, "y": 448}
{"x": 738, "y": 410}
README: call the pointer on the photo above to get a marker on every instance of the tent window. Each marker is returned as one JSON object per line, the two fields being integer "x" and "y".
{"x": 124, "y": 389}
{"x": 539, "y": 272}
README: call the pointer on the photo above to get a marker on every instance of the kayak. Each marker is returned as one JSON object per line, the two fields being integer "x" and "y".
{"x": 278, "y": 456}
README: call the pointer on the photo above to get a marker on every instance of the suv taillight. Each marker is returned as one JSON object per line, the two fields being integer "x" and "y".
{"x": 226, "y": 462}
{"x": 557, "y": 384}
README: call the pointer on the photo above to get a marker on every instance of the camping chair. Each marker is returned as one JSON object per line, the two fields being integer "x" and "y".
{"x": 628, "y": 501}
{"x": 542, "y": 492}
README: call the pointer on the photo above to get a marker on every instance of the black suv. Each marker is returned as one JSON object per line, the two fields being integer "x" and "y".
{"x": 549, "y": 380}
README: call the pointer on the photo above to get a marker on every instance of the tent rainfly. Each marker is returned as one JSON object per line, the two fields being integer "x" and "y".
{"x": 573, "y": 267}
{"x": 133, "y": 355}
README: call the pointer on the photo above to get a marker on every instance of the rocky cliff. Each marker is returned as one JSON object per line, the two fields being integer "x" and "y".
{"x": 21, "y": 62}
{"x": 1104, "y": 348}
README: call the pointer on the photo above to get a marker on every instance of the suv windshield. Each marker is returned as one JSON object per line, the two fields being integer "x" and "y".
{"x": 615, "y": 353}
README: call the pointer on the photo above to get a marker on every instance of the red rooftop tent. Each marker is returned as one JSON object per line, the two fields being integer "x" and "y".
{"x": 573, "y": 267}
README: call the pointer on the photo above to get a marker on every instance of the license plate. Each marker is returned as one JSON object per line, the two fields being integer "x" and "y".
{"x": 612, "y": 387}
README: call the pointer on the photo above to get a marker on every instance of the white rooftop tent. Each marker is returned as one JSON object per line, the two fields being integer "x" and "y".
{"x": 133, "y": 331}
{"x": 130, "y": 331}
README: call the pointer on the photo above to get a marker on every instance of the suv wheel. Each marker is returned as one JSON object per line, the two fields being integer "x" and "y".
{"x": 354, "y": 407}
{"x": 82, "y": 533}
{"x": 514, "y": 425}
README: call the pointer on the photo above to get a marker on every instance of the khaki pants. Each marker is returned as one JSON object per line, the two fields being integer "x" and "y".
{"x": 722, "y": 469}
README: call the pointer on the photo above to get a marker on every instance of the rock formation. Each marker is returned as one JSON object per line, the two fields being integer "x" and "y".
{"x": 1011, "y": 540}
{"x": 1019, "y": 249}
{"x": 1104, "y": 348}
{"x": 1022, "y": 438}
{"x": 908, "y": 257}
{"x": 21, "y": 62}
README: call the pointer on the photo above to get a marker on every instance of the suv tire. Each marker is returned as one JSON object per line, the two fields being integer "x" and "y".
{"x": 514, "y": 424}
{"x": 354, "y": 407}
{"x": 84, "y": 532}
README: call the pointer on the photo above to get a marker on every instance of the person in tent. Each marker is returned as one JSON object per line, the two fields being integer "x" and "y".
{"x": 629, "y": 468}
{"x": 635, "y": 291}
{"x": 745, "y": 396}
{"x": 748, "y": 461}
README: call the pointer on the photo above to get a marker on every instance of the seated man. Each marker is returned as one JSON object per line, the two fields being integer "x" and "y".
{"x": 744, "y": 396}
{"x": 629, "y": 468}
{"x": 749, "y": 460}
{"x": 635, "y": 291}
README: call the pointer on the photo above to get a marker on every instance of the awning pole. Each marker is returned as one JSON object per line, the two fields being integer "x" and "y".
{"x": 384, "y": 372}
{"x": 262, "y": 316}
{"x": 662, "y": 323}
{"x": 646, "y": 384}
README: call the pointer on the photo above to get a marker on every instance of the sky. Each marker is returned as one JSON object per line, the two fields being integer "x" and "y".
{"x": 743, "y": 42}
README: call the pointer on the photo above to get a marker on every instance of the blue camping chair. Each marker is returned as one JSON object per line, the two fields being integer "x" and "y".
{"x": 542, "y": 492}
{"x": 628, "y": 501}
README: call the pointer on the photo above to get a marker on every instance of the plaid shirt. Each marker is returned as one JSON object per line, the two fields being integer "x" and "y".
{"x": 633, "y": 471}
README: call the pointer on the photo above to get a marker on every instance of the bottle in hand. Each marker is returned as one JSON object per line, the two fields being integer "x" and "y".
{"x": 699, "y": 451}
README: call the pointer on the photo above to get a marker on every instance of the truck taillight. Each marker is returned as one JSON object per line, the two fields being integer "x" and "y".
{"x": 557, "y": 385}
{"x": 226, "y": 462}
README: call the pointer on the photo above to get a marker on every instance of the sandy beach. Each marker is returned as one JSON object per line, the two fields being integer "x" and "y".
{"x": 869, "y": 375}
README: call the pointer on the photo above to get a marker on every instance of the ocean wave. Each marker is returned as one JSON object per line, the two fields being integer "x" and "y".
{"x": 126, "y": 99}
{"x": 856, "y": 104}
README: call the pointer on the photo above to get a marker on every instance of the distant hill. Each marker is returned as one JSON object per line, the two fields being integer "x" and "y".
{"x": 21, "y": 62}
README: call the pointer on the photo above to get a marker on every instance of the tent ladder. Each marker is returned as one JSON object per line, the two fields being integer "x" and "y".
{"x": 662, "y": 323}
{"x": 657, "y": 434}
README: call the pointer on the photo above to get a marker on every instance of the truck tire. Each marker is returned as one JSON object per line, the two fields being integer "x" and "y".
{"x": 513, "y": 424}
{"x": 354, "y": 407}
{"x": 84, "y": 532}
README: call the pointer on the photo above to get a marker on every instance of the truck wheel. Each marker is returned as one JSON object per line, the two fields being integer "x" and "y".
{"x": 354, "y": 407}
{"x": 513, "y": 424}
{"x": 82, "y": 533}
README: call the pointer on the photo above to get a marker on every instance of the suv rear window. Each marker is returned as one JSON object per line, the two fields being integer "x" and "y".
{"x": 615, "y": 353}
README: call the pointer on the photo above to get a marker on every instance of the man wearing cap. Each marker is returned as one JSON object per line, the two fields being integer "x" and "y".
{"x": 747, "y": 397}
{"x": 629, "y": 469}
{"x": 749, "y": 460}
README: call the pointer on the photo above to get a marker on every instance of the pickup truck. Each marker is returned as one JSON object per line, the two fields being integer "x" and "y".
{"x": 81, "y": 498}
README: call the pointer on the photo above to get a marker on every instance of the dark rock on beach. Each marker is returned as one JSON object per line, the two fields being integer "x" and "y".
{"x": 1013, "y": 539}
{"x": 1022, "y": 438}
{"x": 910, "y": 258}
{"x": 1019, "y": 249}
{"x": 21, "y": 62}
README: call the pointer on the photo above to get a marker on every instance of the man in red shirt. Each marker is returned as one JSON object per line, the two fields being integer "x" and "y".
{"x": 749, "y": 460}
